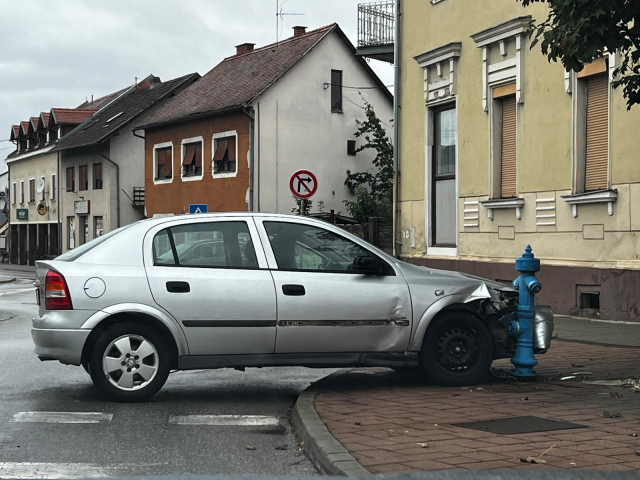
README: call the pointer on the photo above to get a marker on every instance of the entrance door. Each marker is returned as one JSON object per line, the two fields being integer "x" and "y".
{"x": 443, "y": 196}
{"x": 210, "y": 278}
{"x": 323, "y": 305}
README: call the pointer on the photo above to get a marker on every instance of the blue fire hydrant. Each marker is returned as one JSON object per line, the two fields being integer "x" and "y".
{"x": 527, "y": 285}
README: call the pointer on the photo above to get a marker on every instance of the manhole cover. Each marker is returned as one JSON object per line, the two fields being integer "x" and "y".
{"x": 514, "y": 425}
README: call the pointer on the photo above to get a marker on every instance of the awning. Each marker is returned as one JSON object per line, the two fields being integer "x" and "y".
{"x": 221, "y": 150}
{"x": 4, "y": 228}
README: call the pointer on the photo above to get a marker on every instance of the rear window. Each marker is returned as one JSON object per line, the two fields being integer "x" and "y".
{"x": 76, "y": 253}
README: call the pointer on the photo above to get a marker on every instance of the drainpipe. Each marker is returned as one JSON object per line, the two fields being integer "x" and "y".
{"x": 117, "y": 183}
{"x": 396, "y": 128}
{"x": 249, "y": 112}
{"x": 258, "y": 161}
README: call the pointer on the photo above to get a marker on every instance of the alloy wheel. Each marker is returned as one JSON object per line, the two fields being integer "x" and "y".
{"x": 130, "y": 362}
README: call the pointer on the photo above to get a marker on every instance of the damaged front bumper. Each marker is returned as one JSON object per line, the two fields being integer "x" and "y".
{"x": 542, "y": 329}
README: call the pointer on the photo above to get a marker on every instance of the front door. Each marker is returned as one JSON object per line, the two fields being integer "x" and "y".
{"x": 323, "y": 305}
{"x": 210, "y": 278}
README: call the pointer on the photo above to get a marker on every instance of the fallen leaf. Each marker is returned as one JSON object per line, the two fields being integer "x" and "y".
{"x": 611, "y": 415}
{"x": 250, "y": 447}
{"x": 524, "y": 398}
{"x": 282, "y": 447}
{"x": 615, "y": 394}
{"x": 532, "y": 460}
{"x": 424, "y": 445}
{"x": 637, "y": 452}
{"x": 577, "y": 365}
{"x": 573, "y": 464}
{"x": 633, "y": 434}
{"x": 479, "y": 388}
{"x": 358, "y": 423}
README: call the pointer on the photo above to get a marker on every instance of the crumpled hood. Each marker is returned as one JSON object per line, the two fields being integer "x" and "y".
{"x": 415, "y": 274}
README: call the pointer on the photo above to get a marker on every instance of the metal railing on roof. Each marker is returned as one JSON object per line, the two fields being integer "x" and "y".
{"x": 376, "y": 23}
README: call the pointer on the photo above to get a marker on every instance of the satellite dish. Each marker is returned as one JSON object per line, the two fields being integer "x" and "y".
{"x": 40, "y": 188}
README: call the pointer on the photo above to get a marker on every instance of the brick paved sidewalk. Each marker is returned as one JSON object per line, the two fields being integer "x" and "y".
{"x": 382, "y": 417}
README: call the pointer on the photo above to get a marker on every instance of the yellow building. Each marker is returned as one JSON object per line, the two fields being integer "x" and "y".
{"x": 498, "y": 148}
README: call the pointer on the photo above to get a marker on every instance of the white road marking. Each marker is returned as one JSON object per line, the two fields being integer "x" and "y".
{"x": 224, "y": 420}
{"x": 62, "y": 417}
{"x": 49, "y": 471}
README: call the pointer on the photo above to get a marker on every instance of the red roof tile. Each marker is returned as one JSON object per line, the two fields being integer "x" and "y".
{"x": 70, "y": 115}
{"x": 45, "y": 119}
{"x": 239, "y": 79}
{"x": 25, "y": 127}
{"x": 15, "y": 131}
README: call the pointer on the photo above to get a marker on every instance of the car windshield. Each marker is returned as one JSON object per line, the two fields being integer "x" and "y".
{"x": 76, "y": 253}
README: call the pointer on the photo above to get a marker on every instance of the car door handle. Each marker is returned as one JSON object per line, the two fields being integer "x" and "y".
{"x": 178, "y": 287}
{"x": 293, "y": 290}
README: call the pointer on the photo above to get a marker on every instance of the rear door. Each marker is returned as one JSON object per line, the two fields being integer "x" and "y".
{"x": 323, "y": 305}
{"x": 211, "y": 275}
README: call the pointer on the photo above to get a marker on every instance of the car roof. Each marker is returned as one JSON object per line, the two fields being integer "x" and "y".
{"x": 213, "y": 215}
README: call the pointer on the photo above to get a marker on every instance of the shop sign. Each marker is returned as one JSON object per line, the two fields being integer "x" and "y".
{"x": 81, "y": 207}
{"x": 22, "y": 214}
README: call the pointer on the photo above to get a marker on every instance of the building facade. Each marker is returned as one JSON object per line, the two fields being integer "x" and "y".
{"x": 102, "y": 163}
{"x": 498, "y": 148}
{"x": 34, "y": 181}
{"x": 233, "y": 139}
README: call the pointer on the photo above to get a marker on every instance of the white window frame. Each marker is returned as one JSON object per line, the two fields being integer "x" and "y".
{"x": 52, "y": 187}
{"x": 21, "y": 192}
{"x": 156, "y": 147}
{"x": 14, "y": 191}
{"x": 34, "y": 190}
{"x": 429, "y": 121}
{"x": 214, "y": 146}
{"x": 44, "y": 183}
{"x": 185, "y": 141}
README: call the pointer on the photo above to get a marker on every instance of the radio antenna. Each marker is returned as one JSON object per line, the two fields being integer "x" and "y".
{"x": 279, "y": 14}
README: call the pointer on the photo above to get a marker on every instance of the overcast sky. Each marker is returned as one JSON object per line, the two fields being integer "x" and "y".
{"x": 57, "y": 54}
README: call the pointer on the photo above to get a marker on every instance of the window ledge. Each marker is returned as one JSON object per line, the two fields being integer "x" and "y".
{"x": 600, "y": 196}
{"x": 503, "y": 203}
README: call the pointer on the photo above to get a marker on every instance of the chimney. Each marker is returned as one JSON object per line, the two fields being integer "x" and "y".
{"x": 299, "y": 31}
{"x": 244, "y": 48}
{"x": 149, "y": 82}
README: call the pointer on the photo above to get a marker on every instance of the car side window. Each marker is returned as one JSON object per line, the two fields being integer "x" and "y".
{"x": 214, "y": 244}
{"x": 308, "y": 248}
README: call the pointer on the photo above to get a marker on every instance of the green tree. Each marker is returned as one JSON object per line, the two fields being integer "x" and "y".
{"x": 307, "y": 206}
{"x": 373, "y": 190}
{"x": 578, "y": 31}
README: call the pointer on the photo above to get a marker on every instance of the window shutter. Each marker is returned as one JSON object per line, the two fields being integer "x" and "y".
{"x": 221, "y": 149}
{"x": 232, "y": 150}
{"x": 198, "y": 154}
{"x": 189, "y": 152}
{"x": 597, "y": 155}
{"x": 508, "y": 153}
{"x": 161, "y": 154}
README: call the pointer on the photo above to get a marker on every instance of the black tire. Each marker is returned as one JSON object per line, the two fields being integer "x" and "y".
{"x": 160, "y": 360}
{"x": 440, "y": 357}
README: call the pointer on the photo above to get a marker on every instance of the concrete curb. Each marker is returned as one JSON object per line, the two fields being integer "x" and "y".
{"x": 7, "y": 280}
{"x": 325, "y": 452}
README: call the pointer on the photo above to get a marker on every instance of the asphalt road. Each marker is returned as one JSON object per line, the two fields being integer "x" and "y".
{"x": 138, "y": 439}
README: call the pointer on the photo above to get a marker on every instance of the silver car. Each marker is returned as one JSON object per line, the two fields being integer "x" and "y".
{"x": 255, "y": 290}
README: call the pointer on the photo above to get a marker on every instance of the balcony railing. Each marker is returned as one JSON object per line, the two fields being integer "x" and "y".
{"x": 376, "y": 23}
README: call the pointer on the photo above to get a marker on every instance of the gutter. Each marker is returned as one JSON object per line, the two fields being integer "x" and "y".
{"x": 117, "y": 182}
{"x": 396, "y": 129}
{"x": 249, "y": 112}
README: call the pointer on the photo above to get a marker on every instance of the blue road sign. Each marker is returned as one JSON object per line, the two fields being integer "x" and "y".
{"x": 198, "y": 208}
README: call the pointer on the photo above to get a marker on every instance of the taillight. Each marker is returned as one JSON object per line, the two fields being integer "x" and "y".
{"x": 56, "y": 293}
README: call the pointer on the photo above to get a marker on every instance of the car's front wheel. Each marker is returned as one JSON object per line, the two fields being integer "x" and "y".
{"x": 457, "y": 349}
{"x": 130, "y": 362}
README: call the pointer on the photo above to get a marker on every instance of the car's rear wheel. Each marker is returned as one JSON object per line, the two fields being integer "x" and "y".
{"x": 457, "y": 349}
{"x": 130, "y": 362}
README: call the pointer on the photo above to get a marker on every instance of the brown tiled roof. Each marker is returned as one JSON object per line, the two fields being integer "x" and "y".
{"x": 239, "y": 79}
{"x": 98, "y": 103}
{"x": 45, "y": 119}
{"x": 15, "y": 131}
{"x": 25, "y": 126}
{"x": 119, "y": 114}
{"x": 34, "y": 122}
{"x": 70, "y": 116}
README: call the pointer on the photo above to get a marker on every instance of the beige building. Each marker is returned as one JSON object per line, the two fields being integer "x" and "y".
{"x": 498, "y": 148}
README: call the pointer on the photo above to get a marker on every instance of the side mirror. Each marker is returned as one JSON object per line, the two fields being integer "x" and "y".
{"x": 367, "y": 265}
